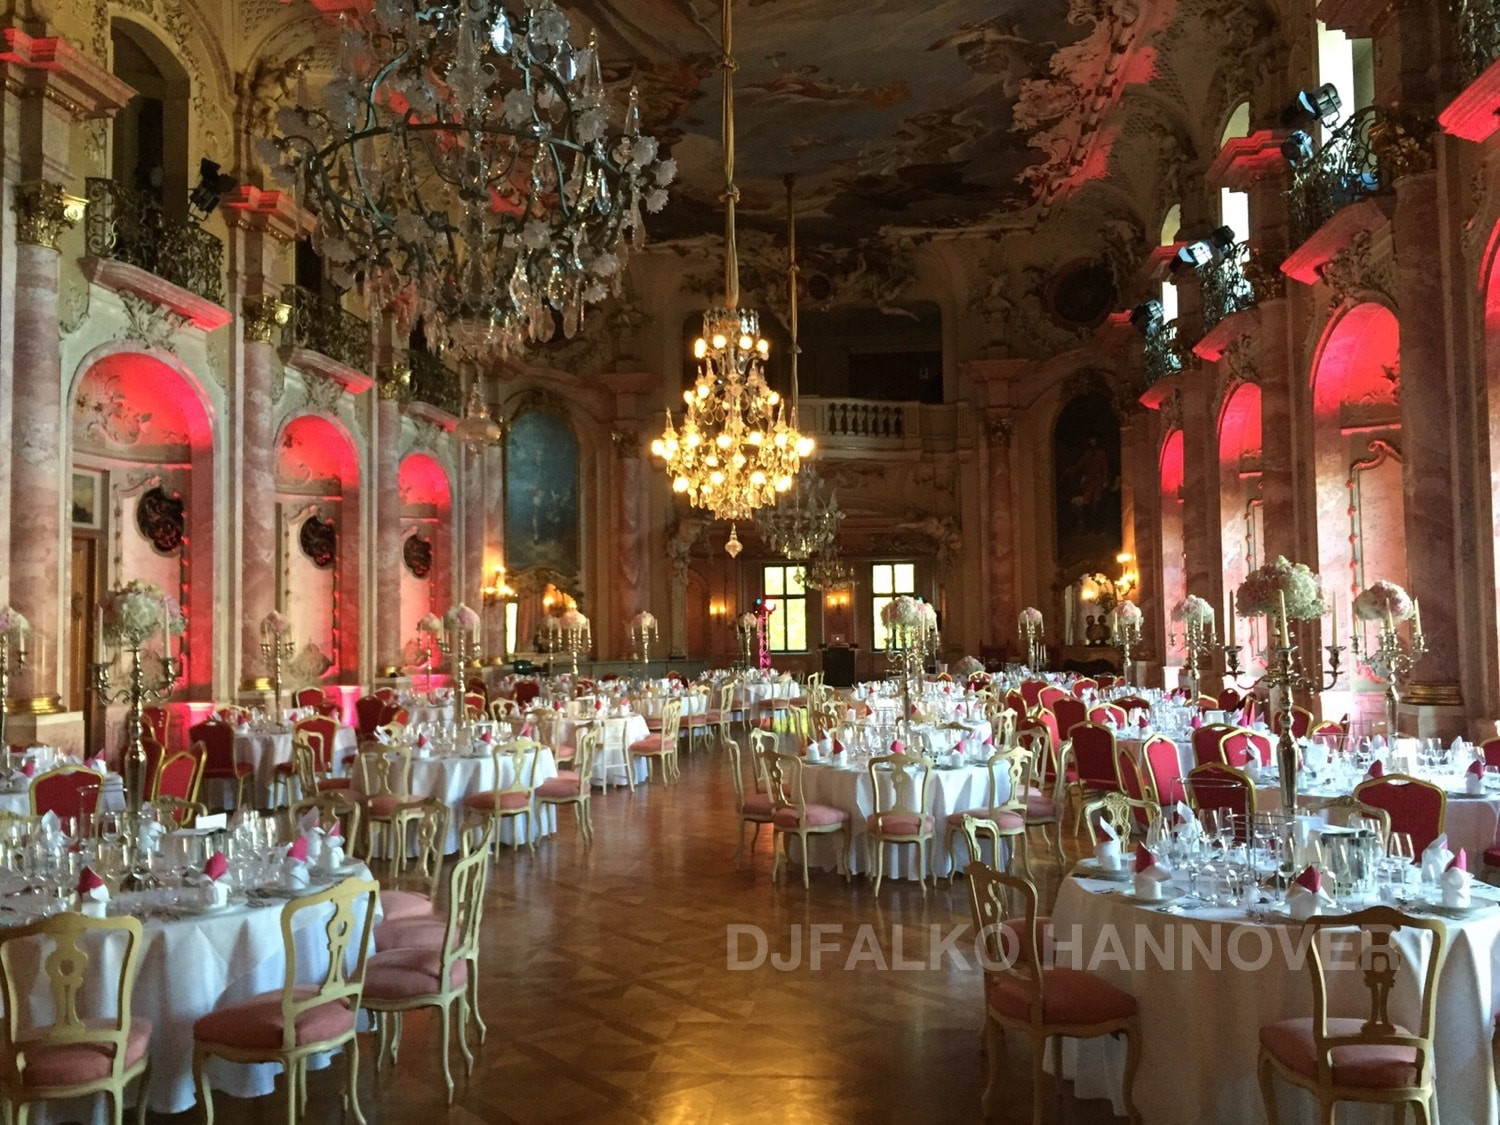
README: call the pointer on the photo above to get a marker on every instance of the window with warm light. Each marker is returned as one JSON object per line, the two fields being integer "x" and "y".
{"x": 786, "y": 628}
{"x": 887, "y": 581}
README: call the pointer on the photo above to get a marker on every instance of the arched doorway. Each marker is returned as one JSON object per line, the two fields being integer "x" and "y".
{"x": 149, "y": 148}
{"x": 426, "y": 548}
{"x": 1241, "y": 527}
{"x": 318, "y": 534}
{"x": 1173, "y": 563}
{"x": 142, "y": 507}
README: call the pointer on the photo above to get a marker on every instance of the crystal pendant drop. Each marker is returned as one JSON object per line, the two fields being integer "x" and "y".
{"x": 734, "y": 546}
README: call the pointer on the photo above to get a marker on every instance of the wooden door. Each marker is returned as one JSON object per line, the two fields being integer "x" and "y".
{"x": 82, "y": 643}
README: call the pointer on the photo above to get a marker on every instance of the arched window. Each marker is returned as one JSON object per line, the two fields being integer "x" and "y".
{"x": 150, "y": 140}
{"x": 1234, "y": 206}
{"x": 1170, "y": 225}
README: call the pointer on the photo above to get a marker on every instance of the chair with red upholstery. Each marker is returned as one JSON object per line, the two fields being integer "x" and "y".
{"x": 1031, "y": 692}
{"x": 1093, "y": 755}
{"x": 1082, "y": 686}
{"x": 369, "y": 713}
{"x": 1214, "y": 785}
{"x": 792, "y": 815}
{"x": 179, "y": 775}
{"x": 1026, "y": 992}
{"x": 1331, "y": 733}
{"x": 1302, "y": 721}
{"x": 1208, "y": 742}
{"x": 1069, "y": 712}
{"x": 1490, "y": 750}
{"x": 1107, "y": 714}
{"x": 156, "y": 722}
{"x": 154, "y": 753}
{"x": 68, "y": 791}
{"x": 1228, "y": 701}
{"x": 475, "y": 685}
{"x": 1418, "y": 808}
{"x": 1365, "y": 1056}
{"x": 299, "y": 1020}
{"x": 899, "y": 784}
{"x": 1129, "y": 703}
{"x": 219, "y": 764}
{"x": 88, "y": 1048}
{"x": 388, "y": 694}
{"x": 309, "y": 697}
{"x": 474, "y": 705}
{"x": 1017, "y": 703}
{"x": 1047, "y": 698}
{"x": 317, "y": 733}
{"x": 1108, "y": 680}
{"x": 1164, "y": 770}
{"x": 526, "y": 691}
{"x": 1132, "y": 784}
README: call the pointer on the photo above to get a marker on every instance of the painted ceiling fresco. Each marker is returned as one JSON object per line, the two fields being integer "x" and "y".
{"x": 906, "y": 113}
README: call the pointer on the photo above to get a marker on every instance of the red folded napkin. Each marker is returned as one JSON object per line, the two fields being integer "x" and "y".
{"x": 298, "y": 850}
{"x": 898, "y": 747}
{"x": 1476, "y": 768}
{"x": 1377, "y": 768}
{"x": 1311, "y": 879}
{"x": 526, "y": 731}
{"x": 486, "y": 737}
{"x": 1460, "y": 862}
{"x": 88, "y": 881}
{"x": 1196, "y": 721}
{"x": 216, "y": 867}
{"x": 838, "y": 747}
{"x": 28, "y": 767}
{"x": 1142, "y": 722}
{"x": 1144, "y": 860}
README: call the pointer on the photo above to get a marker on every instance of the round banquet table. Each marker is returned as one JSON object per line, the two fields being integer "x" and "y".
{"x": 619, "y": 732}
{"x": 191, "y": 963}
{"x": 264, "y": 750}
{"x": 428, "y": 713}
{"x": 950, "y": 790}
{"x": 111, "y": 797}
{"x": 1221, "y": 1009}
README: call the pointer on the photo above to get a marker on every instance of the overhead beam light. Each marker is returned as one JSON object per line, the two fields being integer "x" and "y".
{"x": 1204, "y": 251}
{"x": 1145, "y": 318}
{"x": 1321, "y": 105}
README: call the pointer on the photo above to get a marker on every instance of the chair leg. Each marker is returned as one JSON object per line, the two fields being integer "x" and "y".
{"x": 445, "y": 1017}
{"x": 994, "y": 1048}
{"x": 1268, "y": 1088}
{"x": 803, "y": 837}
{"x": 879, "y": 863}
{"x": 952, "y": 863}
{"x": 775, "y": 854}
{"x": 200, "y": 1079}
{"x": 1038, "y": 1076}
{"x": 351, "y": 1090}
{"x": 289, "y": 1074}
{"x": 463, "y": 1033}
{"x": 474, "y": 1002}
{"x": 924, "y": 852}
{"x": 739, "y": 849}
{"x": 1132, "y": 1061}
{"x": 143, "y": 1096}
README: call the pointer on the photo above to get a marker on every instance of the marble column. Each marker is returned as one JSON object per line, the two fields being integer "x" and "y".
{"x": 630, "y": 538}
{"x": 1000, "y": 519}
{"x": 1277, "y": 487}
{"x": 388, "y": 637}
{"x": 1201, "y": 539}
{"x": 38, "y": 563}
{"x": 473, "y": 577}
{"x": 1426, "y": 440}
{"x": 261, "y": 318}
{"x": 493, "y": 500}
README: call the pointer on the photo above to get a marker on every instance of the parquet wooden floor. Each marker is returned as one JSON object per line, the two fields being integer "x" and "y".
{"x": 606, "y": 986}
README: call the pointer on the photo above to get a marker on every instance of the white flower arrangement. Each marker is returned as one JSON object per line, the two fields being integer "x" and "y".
{"x": 929, "y": 616}
{"x": 13, "y": 627}
{"x": 1261, "y": 593}
{"x": 644, "y": 622}
{"x": 1031, "y": 616}
{"x": 1193, "y": 610}
{"x": 748, "y": 621}
{"x": 572, "y": 620}
{"x": 430, "y": 623}
{"x": 462, "y": 617}
{"x": 902, "y": 612}
{"x": 551, "y": 624}
{"x": 967, "y": 667}
{"x": 1383, "y": 601}
{"x": 1128, "y": 613}
{"x": 275, "y": 624}
{"x": 136, "y": 610}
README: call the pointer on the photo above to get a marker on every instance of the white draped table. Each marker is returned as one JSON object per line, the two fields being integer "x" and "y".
{"x": 264, "y": 750}
{"x": 618, "y": 731}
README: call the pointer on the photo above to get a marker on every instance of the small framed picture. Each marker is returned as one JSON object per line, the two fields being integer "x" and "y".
{"x": 88, "y": 506}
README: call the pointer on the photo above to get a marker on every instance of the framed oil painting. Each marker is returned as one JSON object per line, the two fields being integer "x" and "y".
{"x": 1086, "y": 466}
{"x": 541, "y": 493}
{"x": 88, "y": 498}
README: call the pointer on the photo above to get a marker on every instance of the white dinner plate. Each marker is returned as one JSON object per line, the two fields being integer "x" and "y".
{"x": 1167, "y": 895}
{"x": 1090, "y": 869}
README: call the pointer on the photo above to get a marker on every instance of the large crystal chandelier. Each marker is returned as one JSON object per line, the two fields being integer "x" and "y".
{"x": 467, "y": 165}
{"x": 738, "y": 445}
{"x": 828, "y": 572}
{"x": 803, "y": 521}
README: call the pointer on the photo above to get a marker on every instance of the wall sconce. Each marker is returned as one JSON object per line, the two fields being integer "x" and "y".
{"x": 498, "y": 589}
{"x": 1125, "y": 585}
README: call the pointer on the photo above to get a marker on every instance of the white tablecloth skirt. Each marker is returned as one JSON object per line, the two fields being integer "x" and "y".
{"x": 619, "y": 732}
{"x": 265, "y": 750}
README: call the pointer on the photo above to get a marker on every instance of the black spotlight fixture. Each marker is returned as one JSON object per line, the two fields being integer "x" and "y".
{"x": 1203, "y": 251}
{"x": 1322, "y": 105}
{"x": 1147, "y": 318}
{"x": 213, "y": 185}
{"x": 1298, "y": 148}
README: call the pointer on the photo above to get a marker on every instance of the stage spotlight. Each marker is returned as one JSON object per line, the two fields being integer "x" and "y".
{"x": 212, "y": 187}
{"x": 1322, "y": 104}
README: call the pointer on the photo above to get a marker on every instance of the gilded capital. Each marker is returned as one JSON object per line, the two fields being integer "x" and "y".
{"x": 45, "y": 212}
{"x": 394, "y": 382}
{"x": 627, "y": 443}
{"x": 263, "y": 318}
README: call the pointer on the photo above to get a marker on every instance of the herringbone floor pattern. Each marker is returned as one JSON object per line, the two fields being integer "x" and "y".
{"x": 609, "y": 997}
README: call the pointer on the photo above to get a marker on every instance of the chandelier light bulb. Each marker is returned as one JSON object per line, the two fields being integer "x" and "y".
{"x": 723, "y": 441}
{"x": 658, "y": 448}
{"x": 700, "y": 348}
{"x": 720, "y": 343}
{"x": 805, "y": 446}
{"x": 680, "y": 484}
{"x": 746, "y": 343}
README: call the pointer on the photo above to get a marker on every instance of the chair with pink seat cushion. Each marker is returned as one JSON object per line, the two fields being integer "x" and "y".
{"x": 405, "y": 979}
{"x": 1006, "y": 772}
{"x": 422, "y": 826}
{"x": 660, "y": 746}
{"x": 82, "y": 1052}
{"x": 295, "y": 1022}
{"x": 1418, "y": 808}
{"x": 1362, "y": 1054}
{"x": 1163, "y": 770}
{"x": 791, "y": 815}
{"x": 573, "y": 786}
{"x": 1041, "y": 787}
{"x": 1024, "y": 991}
{"x": 752, "y": 806}
{"x": 899, "y": 784}
{"x": 384, "y": 772}
{"x": 516, "y": 801}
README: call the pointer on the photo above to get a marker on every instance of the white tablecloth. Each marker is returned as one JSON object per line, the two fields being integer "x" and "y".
{"x": 191, "y": 966}
{"x": 1219, "y": 1012}
{"x": 264, "y": 750}
{"x": 618, "y": 733}
{"x": 428, "y": 713}
{"x": 111, "y": 797}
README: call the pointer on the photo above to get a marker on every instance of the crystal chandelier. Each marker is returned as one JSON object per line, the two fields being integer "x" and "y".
{"x": 467, "y": 166}
{"x": 828, "y": 572}
{"x": 803, "y": 521}
{"x": 477, "y": 429}
{"x": 738, "y": 446}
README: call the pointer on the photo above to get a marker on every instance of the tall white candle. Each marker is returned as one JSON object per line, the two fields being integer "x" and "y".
{"x": 1333, "y": 601}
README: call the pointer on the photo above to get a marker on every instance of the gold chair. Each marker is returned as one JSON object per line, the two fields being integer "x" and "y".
{"x": 904, "y": 780}
{"x": 1042, "y": 809}
{"x": 1004, "y": 819}
{"x": 516, "y": 801}
{"x": 77, "y": 1054}
{"x": 1025, "y": 993}
{"x": 423, "y": 825}
{"x": 385, "y": 784}
{"x": 1349, "y": 811}
{"x": 696, "y": 717}
{"x": 405, "y": 979}
{"x": 333, "y": 807}
{"x": 175, "y": 811}
{"x": 753, "y": 808}
{"x": 1123, "y": 814}
{"x": 573, "y": 787}
{"x": 1371, "y": 1059}
{"x": 298, "y": 1021}
{"x": 661, "y": 745}
{"x": 791, "y": 815}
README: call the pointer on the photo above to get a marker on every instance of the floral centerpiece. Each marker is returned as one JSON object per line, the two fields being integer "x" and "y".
{"x": 1194, "y": 611}
{"x": 572, "y": 621}
{"x": 13, "y": 627}
{"x": 275, "y": 625}
{"x": 902, "y": 612}
{"x": 1031, "y": 617}
{"x": 644, "y": 622}
{"x": 967, "y": 667}
{"x": 1128, "y": 613}
{"x": 1383, "y": 601}
{"x": 461, "y": 617}
{"x": 430, "y": 623}
{"x": 1262, "y": 591}
{"x": 748, "y": 621}
{"x": 135, "y": 611}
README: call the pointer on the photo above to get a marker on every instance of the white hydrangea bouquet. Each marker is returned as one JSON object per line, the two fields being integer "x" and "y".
{"x": 135, "y": 611}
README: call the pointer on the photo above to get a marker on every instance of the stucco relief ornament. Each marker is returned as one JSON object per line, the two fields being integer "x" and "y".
{"x": 150, "y": 324}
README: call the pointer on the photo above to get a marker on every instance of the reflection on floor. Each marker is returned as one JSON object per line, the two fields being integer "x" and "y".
{"x": 609, "y": 993}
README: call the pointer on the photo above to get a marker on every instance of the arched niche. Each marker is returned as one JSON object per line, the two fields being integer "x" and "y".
{"x": 142, "y": 438}
{"x": 1241, "y": 527}
{"x": 319, "y": 534}
{"x": 426, "y": 544}
{"x": 1360, "y": 509}
{"x": 1173, "y": 563}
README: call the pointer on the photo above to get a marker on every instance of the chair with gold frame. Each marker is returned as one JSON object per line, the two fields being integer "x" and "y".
{"x": 791, "y": 815}
{"x": 900, "y": 784}
{"x": 753, "y": 808}
{"x": 574, "y": 786}
{"x": 296, "y": 1022}
{"x": 175, "y": 812}
{"x": 336, "y": 806}
{"x": 513, "y": 802}
{"x": 79, "y": 1053}
{"x": 1005, "y": 820}
{"x": 385, "y": 786}
{"x": 1366, "y": 1057}
{"x": 662, "y": 745}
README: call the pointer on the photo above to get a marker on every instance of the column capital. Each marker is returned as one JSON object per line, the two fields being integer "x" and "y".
{"x": 45, "y": 212}
{"x": 999, "y": 430}
{"x": 627, "y": 442}
{"x": 393, "y": 382}
{"x": 262, "y": 319}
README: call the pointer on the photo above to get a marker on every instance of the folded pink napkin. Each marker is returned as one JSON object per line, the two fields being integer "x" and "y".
{"x": 1377, "y": 768}
{"x": 335, "y": 832}
{"x": 298, "y": 850}
{"x": 1311, "y": 879}
{"x": 1196, "y": 721}
{"x": 487, "y": 737}
{"x": 96, "y": 762}
{"x": 28, "y": 767}
{"x": 1476, "y": 768}
{"x": 1460, "y": 861}
{"x": 526, "y": 731}
{"x": 1144, "y": 860}
{"x": 898, "y": 747}
{"x": 88, "y": 881}
{"x": 838, "y": 747}
{"x": 216, "y": 867}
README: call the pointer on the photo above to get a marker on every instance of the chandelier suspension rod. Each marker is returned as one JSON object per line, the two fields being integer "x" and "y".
{"x": 791, "y": 253}
{"x": 731, "y": 192}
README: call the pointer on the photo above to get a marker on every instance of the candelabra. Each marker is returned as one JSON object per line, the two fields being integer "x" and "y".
{"x": 1032, "y": 631}
{"x": 905, "y": 650}
{"x": 459, "y": 645}
{"x": 1196, "y": 642}
{"x": 136, "y": 693}
{"x": 578, "y": 639}
{"x": 549, "y": 640}
{"x": 5, "y": 666}
{"x": 273, "y": 651}
{"x": 499, "y": 593}
{"x": 1127, "y": 636}
{"x": 1285, "y": 676}
{"x": 641, "y": 637}
{"x": 1391, "y": 662}
{"x": 746, "y": 633}
{"x": 1324, "y": 680}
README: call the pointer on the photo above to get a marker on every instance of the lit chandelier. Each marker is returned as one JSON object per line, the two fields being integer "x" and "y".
{"x": 803, "y": 521}
{"x": 465, "y": 165}
{"x": 739, "y": 445}
{"x": 828, "y": 572}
